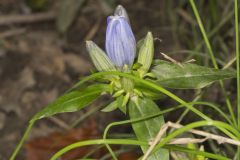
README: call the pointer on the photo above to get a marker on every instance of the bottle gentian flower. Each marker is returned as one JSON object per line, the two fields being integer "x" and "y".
{"x": 120, "y": 42}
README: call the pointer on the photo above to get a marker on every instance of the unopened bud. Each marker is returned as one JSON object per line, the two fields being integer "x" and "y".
{"x": 146, "y": 53}
{"x": 99, "y": 58}
{"x": 121, "y": 11}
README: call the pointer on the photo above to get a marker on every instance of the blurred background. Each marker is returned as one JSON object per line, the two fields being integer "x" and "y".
{"x": 42, "y": 54}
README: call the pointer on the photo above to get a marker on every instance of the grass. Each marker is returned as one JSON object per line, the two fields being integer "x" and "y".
{"x": 238, "y": 67}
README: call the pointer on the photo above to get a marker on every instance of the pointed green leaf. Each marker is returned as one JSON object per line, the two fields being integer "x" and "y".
{"x": 187, "y": 76}
{"x": 147, "y": 130}
{"x": 72, "y": 101}
{"x": 110, "y": 107}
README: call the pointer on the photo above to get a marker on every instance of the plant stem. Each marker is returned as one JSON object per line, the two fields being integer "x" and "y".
{"x": 238, "y": 67}
{"x": 230, "y": 108}
{"x": 131, "y": 142}
{"x": 14, "y": 154}
{"x": 204, "y": 33}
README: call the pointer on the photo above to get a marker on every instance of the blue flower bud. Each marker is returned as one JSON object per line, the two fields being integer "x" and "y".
{"x": 120, "y": 42}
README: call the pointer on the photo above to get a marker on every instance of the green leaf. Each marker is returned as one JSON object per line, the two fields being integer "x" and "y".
{"x": 110, "y": 107}
{"x": 147, "y": 130}
{"x": 120, "y": 104}
{"x": 187, "y": 76}
{"x": 72, "y": 101}
{"x": 67, "y": 13}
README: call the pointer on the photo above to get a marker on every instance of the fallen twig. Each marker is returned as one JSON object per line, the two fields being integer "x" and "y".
{"x": 162, "y": 131}
{"x": 31, "y": 18}
{"x": 12, "y": 32}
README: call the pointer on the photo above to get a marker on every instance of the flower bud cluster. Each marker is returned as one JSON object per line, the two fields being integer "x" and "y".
{"x": 120, "y": 47}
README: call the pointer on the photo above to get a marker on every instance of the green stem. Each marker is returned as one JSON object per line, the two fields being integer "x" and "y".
{"x": 212, "y": 58}
{"x": 14, "y": 154}
{"x": 190, "y": 151}
{"x": 238, "y": 67}
{"x": 238, "y": 60}
{"x": 131, "y": 142}
{"x": 204, "y": 33}
{"x": 98, "y": 142}
{"x": 111, "y": 152}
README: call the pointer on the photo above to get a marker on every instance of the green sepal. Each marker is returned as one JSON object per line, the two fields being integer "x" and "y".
{"x": 150, "y": 75}
{"x": 99, "y": 57}
{"x": 138, "y": 92}
{"x": 125, "y": 99}
{"x": 122, "y": 107}
{"x": 110, "y": 107}
{"x": 136, "y": 66}
{"x": 146, "y": 52}
{"x": 139, "y": 44}
{"x": 118, "y": 93}
{"x": 149, "y": 92}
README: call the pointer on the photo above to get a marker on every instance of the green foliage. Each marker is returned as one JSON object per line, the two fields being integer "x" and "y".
{"x": 187, "y": 76}
{"x": 72, "y": 101}
{"x": 148, "y": 129}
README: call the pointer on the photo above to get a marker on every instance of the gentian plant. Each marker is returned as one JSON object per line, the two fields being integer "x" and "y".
{"x": 127, "y": 72}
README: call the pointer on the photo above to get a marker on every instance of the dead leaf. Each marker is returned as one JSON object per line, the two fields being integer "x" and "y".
{"x": 44, "y": 147}
{"x": 128, "y": 156}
